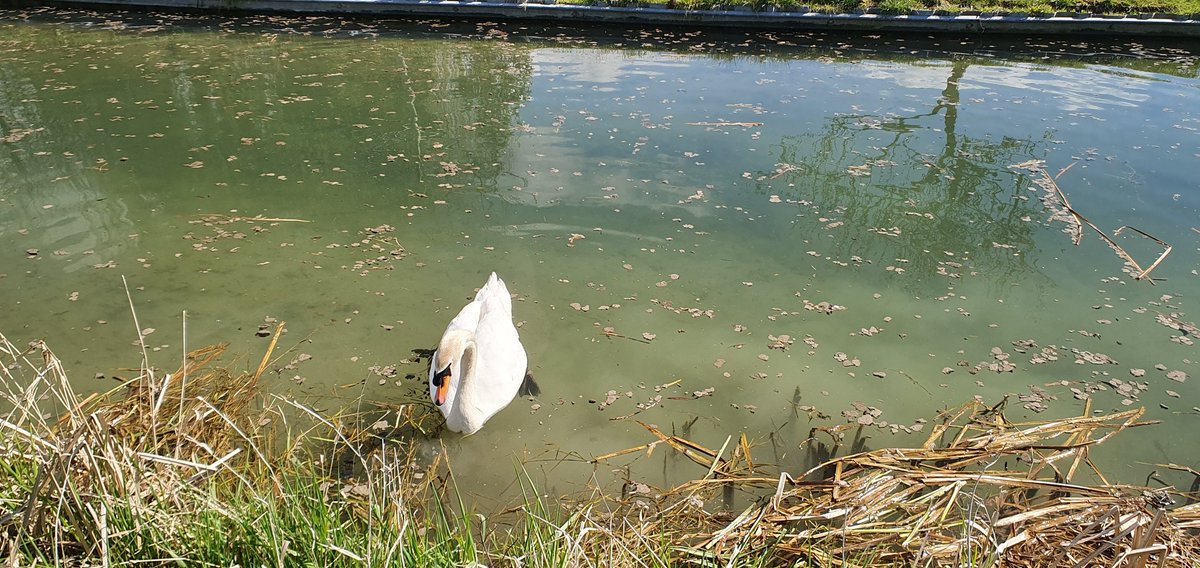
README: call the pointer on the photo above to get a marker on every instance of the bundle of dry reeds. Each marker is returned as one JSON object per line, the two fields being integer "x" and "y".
{"x": 958, "y": 500}
{"x": 141, "y": 446}
{"x": 140, "y": 472}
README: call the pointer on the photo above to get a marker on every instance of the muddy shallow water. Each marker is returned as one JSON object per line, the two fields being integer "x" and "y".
{"x": 714, "y": 234}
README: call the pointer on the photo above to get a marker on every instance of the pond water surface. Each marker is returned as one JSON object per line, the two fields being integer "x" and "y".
{"x": 715, "y": 234}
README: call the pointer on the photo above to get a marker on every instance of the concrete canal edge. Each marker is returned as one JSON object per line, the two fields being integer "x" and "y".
{"x": 1157, "y": 25}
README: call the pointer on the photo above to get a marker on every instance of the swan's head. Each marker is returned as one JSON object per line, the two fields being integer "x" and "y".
{"x": 450, "y": 364}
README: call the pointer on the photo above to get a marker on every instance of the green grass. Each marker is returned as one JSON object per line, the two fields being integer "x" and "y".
{"x": 899, "y": 6}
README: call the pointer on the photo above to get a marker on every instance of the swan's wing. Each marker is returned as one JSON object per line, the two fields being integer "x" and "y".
{"x": 494, "y": 289}
{"x": 502, "y": 360}
{"x": 467, "y": 318}
{"x": 497, "y": 291}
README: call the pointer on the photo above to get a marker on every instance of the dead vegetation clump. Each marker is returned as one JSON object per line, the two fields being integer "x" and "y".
{"x": 981, "y": 491}
{"x": 142, "y": 448}
{"x": 196, "y": 465}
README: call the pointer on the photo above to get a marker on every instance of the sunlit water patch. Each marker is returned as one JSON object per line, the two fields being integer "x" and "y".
{"x": 711, "y": 234}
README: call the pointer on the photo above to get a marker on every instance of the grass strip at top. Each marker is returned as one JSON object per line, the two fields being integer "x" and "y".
{"x": 198, "y": 467}
{"x": 1030, "y": 7}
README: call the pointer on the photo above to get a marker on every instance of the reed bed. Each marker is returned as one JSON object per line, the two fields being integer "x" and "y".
{"x": 981, "y": 491}
{"x": 198, "y": 467}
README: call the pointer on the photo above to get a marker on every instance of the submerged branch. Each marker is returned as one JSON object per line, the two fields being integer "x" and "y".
{"x": 1056, "y": 201}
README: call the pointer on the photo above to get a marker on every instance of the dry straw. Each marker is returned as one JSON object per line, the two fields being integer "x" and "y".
{"x": 141, "y": 447}
{"x": 950, "y": 502}
{"x": 137, "y": 472}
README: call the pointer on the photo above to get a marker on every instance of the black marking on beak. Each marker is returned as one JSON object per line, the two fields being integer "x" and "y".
{"x": 441, "y": 376}
{"x": 441, "y": 383}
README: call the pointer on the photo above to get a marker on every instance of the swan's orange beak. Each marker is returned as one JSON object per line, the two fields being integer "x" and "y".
{"x": 441, "y": 391}
{"x": 442, "y": 383}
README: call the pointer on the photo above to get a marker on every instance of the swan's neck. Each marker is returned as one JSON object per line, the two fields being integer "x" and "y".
{"x": 466, "y": 392}
{"x": 465, "y": 397}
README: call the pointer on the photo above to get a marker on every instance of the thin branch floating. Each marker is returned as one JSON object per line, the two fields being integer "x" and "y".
{"x": 1058, "y": 203}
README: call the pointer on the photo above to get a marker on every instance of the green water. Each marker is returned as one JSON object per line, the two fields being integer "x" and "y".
{"x": 601, "y": 177}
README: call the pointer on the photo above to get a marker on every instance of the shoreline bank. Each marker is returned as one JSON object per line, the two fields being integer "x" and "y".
{"x": 741, "y": 17}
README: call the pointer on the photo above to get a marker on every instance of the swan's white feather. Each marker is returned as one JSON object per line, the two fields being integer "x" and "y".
{"x": 492, "y": 382}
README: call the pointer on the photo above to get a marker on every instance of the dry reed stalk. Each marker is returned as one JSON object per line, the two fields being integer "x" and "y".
{"x": 726, "y": 123}
{"x": 225, "y": 218}
{"x": 1166, "y": 249}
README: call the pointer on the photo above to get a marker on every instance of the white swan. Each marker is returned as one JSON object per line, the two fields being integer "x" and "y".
{"x": 480, "y": 363}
